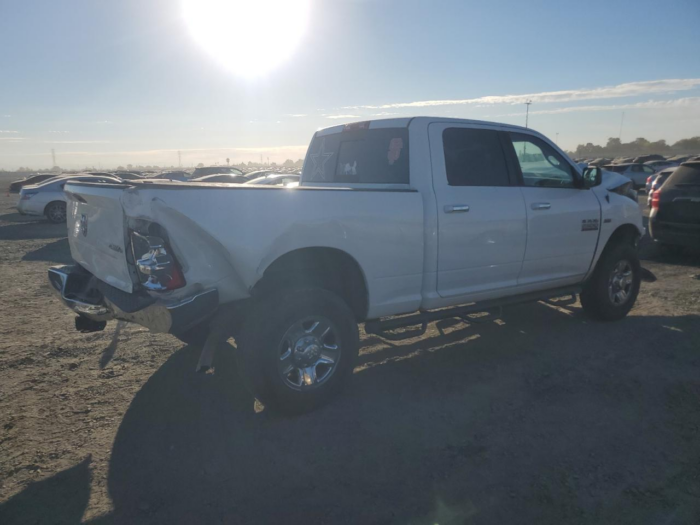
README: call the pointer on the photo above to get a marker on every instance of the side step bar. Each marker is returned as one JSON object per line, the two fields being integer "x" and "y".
{"x": 382, "y": 327}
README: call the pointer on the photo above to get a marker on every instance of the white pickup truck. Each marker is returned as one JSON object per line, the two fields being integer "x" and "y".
{"x": 413, "y": 219}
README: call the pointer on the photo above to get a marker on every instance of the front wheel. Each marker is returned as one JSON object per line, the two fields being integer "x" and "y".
{"x": 56, "y": 212}
{"x": 611, "y": 291}
{"x": 298, "y": 348}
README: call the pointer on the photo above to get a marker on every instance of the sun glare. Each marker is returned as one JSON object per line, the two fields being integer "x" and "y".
{"x": 248, "y": 37}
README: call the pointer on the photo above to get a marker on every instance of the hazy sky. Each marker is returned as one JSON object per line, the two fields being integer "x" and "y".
{"x": 125, "y": 81}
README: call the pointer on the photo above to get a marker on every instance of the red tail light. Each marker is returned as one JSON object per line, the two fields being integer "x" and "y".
{"x": 158, "y": 269}
{"x": 649, "y": 179}
{"x": 655, "y": 199}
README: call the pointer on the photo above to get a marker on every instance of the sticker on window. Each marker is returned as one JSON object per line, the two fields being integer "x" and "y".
{"x": 395, "y": 147}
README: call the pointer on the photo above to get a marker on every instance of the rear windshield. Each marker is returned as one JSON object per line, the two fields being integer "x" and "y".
{"x": 367, "y": 156}
{"x": 686, "y": 175}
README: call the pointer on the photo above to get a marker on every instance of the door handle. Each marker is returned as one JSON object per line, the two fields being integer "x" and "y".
{"x": 456, "y": 208}
{"x": 540, "y": 205}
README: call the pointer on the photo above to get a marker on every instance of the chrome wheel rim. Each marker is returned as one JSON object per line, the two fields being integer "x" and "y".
{"x": 309, "y": 353}
{"x": 620, "y": 282}
{"x": 57, "y": 213}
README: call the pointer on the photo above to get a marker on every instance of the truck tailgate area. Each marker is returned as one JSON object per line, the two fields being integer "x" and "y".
{"x": 97, "y": 232}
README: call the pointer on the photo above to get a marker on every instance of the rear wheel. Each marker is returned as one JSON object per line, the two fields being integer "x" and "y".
{"x": 56, "y": 212}
{"x": 612, "y": 290}
{"x": 298, "y": 348}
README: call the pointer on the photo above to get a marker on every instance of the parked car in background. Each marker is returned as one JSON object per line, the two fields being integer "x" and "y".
{"x": 127, "y": 175}
{"x": 641, "y": 159}
{"x": 675, "y": 208}
{"x": 222, "y": 177}
{"x": 47, "y": 198}
{"x": 623, "y": 160}
{"x": 33, "y": 179}
{"x": 680, "y": 159}
{"x": 276, "y": 179}
{"x": 658, "y": 165}
{"x": 214, "y": 170}
{"x": 656, "y": 181}
{"x": 171, "y": 175}
{"x": 259, "y": 173}
{"x": 637, "y": 172}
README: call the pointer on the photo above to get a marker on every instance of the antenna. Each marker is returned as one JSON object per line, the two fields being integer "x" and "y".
{"x": 527, "y": 111}
{"x": 622, "y": 121}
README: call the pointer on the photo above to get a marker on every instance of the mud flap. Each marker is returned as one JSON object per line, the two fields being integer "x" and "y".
{"x": 219, "y": 331}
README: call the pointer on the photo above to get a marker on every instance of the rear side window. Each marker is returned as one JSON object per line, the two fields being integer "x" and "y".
{"x": 687, "y": 176}
{"x": 365, "y": 156}
{"x": 474, "y": 157}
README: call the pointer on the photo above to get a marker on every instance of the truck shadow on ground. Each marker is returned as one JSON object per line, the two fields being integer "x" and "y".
{"x": 547, "y": 418}
{"x": 32, "y": 230}
{"x": 56, "y": 251}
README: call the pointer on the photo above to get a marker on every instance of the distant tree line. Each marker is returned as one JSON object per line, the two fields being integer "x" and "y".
{"x": 641, "y": 146}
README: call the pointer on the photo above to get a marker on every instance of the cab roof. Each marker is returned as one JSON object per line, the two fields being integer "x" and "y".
{"x": 405, "y": 122}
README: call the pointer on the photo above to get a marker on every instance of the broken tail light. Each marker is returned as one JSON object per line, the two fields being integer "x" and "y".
{"x": 156, "y": 265}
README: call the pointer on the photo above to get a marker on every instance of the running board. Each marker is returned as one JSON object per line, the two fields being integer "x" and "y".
{"x": 382, "y": 327}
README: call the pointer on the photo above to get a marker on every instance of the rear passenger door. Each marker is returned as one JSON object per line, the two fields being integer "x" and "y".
{"x": 481, "y": 213}
{"x": 563, "y": 218}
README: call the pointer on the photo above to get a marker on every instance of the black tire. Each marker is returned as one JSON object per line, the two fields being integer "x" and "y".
{"x": 265, "y": 340}
{"x": 601, "y": 297}
{"x": 56, "y": 212}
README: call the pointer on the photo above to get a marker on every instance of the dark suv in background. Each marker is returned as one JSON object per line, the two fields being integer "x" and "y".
{"x": 675, "y": 208}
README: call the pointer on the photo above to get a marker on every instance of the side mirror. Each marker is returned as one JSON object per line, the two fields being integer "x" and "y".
{"x": 592, "y": 176}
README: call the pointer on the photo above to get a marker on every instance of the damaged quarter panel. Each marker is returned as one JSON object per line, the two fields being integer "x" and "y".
{"x": 226, "y": 237}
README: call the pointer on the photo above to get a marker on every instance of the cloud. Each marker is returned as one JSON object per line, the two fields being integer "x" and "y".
{"x": 13, "y": 139}
{"x": 7, "y": 131}
{"x": 629, "y": 89}
{"x": 59, "y": 131}
{"x": 298, "y": 115}
{"x": 341, "y": 116}
{"x": 688, "y": 102}
{"x": 76, "y": 142}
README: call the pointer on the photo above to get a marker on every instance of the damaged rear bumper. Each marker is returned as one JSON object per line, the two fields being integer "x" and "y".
{"x": 89, "y": 297}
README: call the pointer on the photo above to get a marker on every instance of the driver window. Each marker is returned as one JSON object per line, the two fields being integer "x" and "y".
{"x": 540, "y": 164}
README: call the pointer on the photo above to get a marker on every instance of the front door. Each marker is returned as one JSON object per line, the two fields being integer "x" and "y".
{"x": 481, "y": 213}
{"x": 563, "y": 218}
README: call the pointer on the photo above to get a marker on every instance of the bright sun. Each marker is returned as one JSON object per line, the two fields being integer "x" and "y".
{"x": 249, "y": 37}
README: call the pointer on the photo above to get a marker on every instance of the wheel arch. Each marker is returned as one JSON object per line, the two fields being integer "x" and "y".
{"x": 625, "y": 233}
{"x": 329, "y": 268}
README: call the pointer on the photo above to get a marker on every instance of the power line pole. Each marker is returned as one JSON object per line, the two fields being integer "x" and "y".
{"x": 556, "y": 140}
{"x": 179, "y": 159}
{"x": 527, "y": 111}
{"x": 53, "y": 156}
{"x": 622, "y": 121}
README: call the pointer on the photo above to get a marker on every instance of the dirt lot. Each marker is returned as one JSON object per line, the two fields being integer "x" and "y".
{"x": 543, "y": 417}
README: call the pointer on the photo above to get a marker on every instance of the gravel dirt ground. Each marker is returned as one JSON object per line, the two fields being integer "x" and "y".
{"x": 541, "y": 417}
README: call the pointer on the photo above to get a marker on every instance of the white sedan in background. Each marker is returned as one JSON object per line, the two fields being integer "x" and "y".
{"x": 47, "y": 198}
